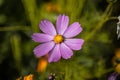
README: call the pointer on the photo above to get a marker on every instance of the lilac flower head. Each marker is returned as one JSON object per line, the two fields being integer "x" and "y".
{"x": 57, "y": 42}
{"x": 113, "y": 76}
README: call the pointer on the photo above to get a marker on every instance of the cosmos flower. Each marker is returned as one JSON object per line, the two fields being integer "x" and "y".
{"x": 113, "y": 76}
{"x": 57, "y": 42}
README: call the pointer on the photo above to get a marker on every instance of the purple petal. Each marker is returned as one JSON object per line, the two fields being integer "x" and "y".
{"x": 38, "y": 37}
{"x": 47, "y": 27}
{"x": 55, "y": 54}
{"x": 43, "y": 49}
{"x": 75, "y": 44}
{"x": 66, "y": 52}
{"x": 62, "y": 23}
{"x": 113, "y": 76}
{"x": 73, "y": 30}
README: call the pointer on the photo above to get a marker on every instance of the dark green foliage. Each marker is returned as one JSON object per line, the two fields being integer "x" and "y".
{"x": 19, "y": 19}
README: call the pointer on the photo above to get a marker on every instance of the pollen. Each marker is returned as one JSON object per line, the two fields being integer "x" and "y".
{"x": 58, "y": 39}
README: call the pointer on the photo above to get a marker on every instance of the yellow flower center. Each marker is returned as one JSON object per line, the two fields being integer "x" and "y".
{"x": 58, "y": 39}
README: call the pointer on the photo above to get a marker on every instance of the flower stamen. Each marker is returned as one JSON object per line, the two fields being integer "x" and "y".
{"x": 58, "y": 39}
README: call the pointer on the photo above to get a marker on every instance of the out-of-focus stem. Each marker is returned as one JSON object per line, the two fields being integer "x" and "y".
{"x": 113, "y": 18}
{"x": 15, "y": 44}
{"x": 108, "y": 10}
{"x": 31, "y": 11}
{"x": 105, "y": 18}
{"x": 67, "y": 77}
{"x": 99, "y": 25}
{"x": 15, "y": 28}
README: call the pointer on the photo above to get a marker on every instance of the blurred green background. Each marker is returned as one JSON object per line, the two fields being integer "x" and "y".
{"x": 19, "y": 19}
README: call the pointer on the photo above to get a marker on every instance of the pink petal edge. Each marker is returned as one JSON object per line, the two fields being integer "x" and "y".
{"x": 62, "y": 23}
{"x": 73, "y": 30}
{"x": 66, "y": 52}
{"x": 47, "y": 27}
{"x": 39, "y": 37}
{"x": 54, "y": 54}
{"x": 43, "y": 48}
{"x": 75, "y": 44}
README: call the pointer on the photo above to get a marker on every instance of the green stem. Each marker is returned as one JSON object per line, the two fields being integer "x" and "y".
{"x": 99, "y": 25}
{"x": 108, "y": 10}
{"x": 113, "y": 18}
{"x": 15, "y": 44}
{"x": 67, "y": 73}
{"x": 31, "y": 11}
{"x": 105, "y": 18}
{"x": 15, "y": 28}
